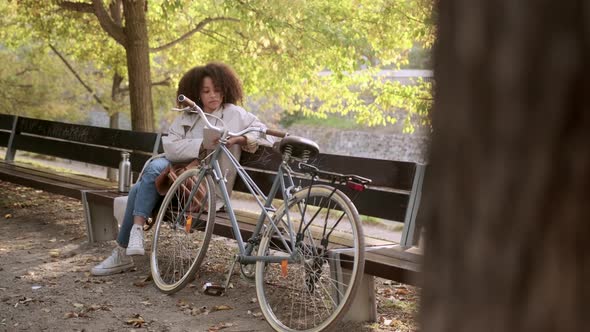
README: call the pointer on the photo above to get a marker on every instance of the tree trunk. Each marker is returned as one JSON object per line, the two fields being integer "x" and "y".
{"x": 507, "y": 190}
{"x": 138, "y": 65}
{"x": 115, "y": 115}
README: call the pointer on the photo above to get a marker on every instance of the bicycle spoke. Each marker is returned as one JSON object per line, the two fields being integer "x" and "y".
{"x": 183, "y": 231}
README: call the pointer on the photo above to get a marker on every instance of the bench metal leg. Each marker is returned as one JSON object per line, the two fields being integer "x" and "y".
{"x": 364, "y": 304}
{"x": 100, "y": 221}
{"x": 408, "y": 236}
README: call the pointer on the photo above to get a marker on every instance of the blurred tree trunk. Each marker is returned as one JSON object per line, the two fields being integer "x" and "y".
{"x": 507, "y": 193}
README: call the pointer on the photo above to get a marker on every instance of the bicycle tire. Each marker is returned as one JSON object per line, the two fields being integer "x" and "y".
{"x": 173, "y": 266}
{"x": 293, "y": 294}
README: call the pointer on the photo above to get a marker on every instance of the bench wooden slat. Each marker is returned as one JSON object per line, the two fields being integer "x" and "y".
{"x": 85, "y": 153}
{"x": 77, "y": 179}
{"x": 122, "y": 139}
{"x": 57, "y": 186}
{"x": 384, "y": 173}
{"x": 370, "y": 202}
{"x": 392, "y": 268}
{"x": 47, "y": 180}
{"x": 6, "y": 121}
{"x": 4, "y": 137}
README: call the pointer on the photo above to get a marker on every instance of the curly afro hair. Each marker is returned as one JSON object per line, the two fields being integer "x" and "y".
{"x": 223, "y": 77}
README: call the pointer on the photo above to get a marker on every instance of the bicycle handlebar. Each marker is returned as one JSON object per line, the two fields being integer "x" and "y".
{"x": 276, "y": 133}
{"x": 194, "y": 108}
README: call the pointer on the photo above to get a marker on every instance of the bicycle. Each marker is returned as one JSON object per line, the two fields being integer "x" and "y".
{"x": 308, "y": 252}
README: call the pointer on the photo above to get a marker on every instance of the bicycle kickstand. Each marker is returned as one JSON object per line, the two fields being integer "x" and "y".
{"x": 217, "y": 290}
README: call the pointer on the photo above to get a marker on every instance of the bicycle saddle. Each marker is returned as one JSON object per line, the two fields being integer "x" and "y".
{"x": 298, "y": 147}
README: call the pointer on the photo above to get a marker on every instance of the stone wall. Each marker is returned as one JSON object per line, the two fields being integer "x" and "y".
{"x": 370, "y": 144}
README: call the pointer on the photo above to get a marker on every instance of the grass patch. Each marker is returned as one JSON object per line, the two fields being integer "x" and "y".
{"x": 405, "y": 306}
{"x": 330, "y": 121}
{"x": 51, "y": 167}
{"x": 383, "y": 223}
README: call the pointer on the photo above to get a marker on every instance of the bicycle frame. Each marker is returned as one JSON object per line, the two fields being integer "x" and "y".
{"x": 283, "y": 180}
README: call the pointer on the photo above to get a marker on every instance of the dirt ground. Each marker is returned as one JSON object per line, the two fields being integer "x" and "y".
{"x": 45, "y": 284}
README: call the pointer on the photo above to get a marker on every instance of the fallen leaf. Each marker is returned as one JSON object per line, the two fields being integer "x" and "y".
{"x": 139, "y": 283}
{"x": 78, "y": 305}
{"x": 182, "y": 303}
{"x": 221, "y": 307}
{"x": 136, "y": 321}
{"x": 201, "y": 310}
{"x": 220, "y": 326}
{"x": 401, "y": 291}
{"x": 94, "y": 307}
{"x": 70, "y": 314}
{"x": 24, "y": 300}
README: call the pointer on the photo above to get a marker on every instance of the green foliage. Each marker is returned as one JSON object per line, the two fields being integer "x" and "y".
{"x": 316, "y": 57}
{"x": 34, "y": 82}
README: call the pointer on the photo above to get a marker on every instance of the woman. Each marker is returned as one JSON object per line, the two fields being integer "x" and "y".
{"x": 216, "y": 89}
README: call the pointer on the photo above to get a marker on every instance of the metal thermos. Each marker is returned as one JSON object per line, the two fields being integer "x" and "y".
{"x": 124, "y": 173}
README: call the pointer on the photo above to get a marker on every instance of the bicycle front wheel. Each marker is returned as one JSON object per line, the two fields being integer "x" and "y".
{"x": 313, "y": 293}
{"x": 183, "y": 230}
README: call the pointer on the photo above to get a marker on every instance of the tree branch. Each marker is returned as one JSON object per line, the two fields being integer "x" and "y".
{"x": 198, "y": 28}
{"x": 106, "y": 22}
{"x": 98, "y": 100}
{"x": 80, "y": 7}
{"x": 212, "y": 35}
{"x": 26, "y": 70}
{"x": 164, "y": 82}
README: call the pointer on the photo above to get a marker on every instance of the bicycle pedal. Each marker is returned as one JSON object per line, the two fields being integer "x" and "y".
{"x": 212, "y": 289}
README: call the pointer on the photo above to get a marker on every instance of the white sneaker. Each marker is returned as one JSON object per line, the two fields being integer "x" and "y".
{"x": 135, "y": 246}
{"x": 117, "y": 262}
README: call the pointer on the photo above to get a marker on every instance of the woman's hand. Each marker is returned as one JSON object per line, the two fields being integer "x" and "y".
{"x": 240, "y": 140}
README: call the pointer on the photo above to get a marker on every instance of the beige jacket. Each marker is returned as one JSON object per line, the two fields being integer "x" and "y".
{"x": 185, "y": 137}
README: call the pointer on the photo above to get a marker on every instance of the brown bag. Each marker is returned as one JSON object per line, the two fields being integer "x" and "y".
{"x": 171, "y": 173}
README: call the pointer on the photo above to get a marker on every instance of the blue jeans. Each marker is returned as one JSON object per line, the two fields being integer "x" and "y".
{"x": 142, "y": 198}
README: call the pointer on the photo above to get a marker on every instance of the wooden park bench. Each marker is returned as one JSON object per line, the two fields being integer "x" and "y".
{"x": 92, "y": 145}
{"x": 394, "y": 194}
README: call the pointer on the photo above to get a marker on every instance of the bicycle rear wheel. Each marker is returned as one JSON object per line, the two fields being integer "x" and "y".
{"x": 183, "y": 230}
{"x": 313, "y": 293}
